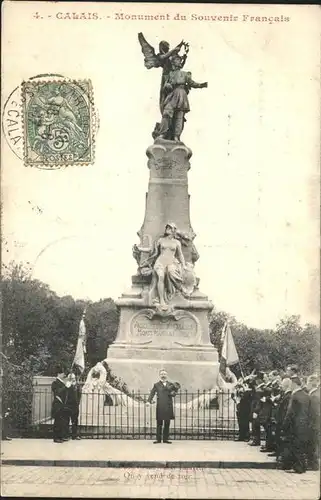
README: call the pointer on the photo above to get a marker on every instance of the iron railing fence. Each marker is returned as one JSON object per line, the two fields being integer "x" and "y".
{"x": 115, "y": 415}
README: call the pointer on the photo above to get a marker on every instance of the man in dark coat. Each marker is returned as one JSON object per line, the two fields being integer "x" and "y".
{"x": 59, "y": 389}
{"x": 266, "y": 415}
{"x": 72, "y": 405}
{"x": 296, "y": 427}
{"x": 314, "y": 422}
{"x": 165, "y": 392}
{"x": 286, "y": 391}
{"x": 275, "y": 400}
{"x": 243, "y": 402}
{"x": 255, "y": 412}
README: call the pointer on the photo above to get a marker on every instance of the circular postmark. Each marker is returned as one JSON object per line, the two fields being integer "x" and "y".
{"x": 50, "y": 122}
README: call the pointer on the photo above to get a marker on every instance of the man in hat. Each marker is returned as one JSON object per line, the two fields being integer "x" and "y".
{"x": 296, "y": 426}
{"x": 165, "y": 392}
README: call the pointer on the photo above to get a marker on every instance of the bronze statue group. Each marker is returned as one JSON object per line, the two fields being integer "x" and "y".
{"x": 285, "y": 409}
{"x": 175, "y": 86}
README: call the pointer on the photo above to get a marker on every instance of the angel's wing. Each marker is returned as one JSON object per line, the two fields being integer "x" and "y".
{"x": 150, "y": 59}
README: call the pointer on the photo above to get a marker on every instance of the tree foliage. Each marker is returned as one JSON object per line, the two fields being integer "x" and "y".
{"x": 40, "y": 330}
{"x": 267, "y": 349}
{"x": 102, "y": 320}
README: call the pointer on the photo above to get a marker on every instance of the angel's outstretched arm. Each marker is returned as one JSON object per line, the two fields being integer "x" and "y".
{"x": 195, "y": 85}
{"x": 171, "y": 52}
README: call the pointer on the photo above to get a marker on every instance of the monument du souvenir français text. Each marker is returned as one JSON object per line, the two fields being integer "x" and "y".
{"x": 164, "y": 315}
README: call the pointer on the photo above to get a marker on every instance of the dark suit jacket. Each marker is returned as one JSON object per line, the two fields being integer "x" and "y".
{"x": 73, "y": 398}
{"x": 315, "y": 410}
{"x": 296, "y": 421}
{"x": 266, "y": 407}
{"x": 59, "y": 391}
{"x": 164, "y": 407}
{"x": 256, "y": 401}
{"x": 282, "y": 408}
{"x": 245, "y": 404}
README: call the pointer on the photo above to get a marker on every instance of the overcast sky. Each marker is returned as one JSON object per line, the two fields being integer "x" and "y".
{"x": 254, "y": 173}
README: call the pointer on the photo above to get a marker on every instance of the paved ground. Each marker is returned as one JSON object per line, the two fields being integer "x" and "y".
{"x": 163, "y": 473}
{"x": 158, "y": 483}
{"x": 200, "y": 452}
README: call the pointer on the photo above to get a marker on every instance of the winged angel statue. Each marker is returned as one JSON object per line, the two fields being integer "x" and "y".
{"x": 175, "y": 86}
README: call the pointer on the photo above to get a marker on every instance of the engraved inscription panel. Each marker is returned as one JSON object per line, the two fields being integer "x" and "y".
{"x": 167, "y": 167}
{"x": 164, "y": 331}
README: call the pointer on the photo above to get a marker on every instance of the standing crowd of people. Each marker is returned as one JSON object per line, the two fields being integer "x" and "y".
{"x": 65, "y": 406}
{"x": 284, "y": 408}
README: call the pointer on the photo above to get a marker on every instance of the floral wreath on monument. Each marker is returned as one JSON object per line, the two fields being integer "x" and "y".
{"x": 96, "y": 383}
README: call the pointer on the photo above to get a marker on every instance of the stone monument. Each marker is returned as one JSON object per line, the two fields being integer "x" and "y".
{"x": 164, "y": 316}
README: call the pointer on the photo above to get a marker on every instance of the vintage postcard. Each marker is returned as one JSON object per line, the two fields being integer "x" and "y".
{"x": 160, "y": 178}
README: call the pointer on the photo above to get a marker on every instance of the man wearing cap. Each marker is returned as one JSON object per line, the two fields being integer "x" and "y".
{"x": 296, "y": 426}
{"x": 165, "y": 392}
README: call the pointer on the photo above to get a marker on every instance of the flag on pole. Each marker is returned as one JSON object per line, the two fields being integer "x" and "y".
{"x": 229, "y": 357}
{"x": 79, "y": 359}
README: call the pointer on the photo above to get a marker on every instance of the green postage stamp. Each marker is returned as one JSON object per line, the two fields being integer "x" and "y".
{"x": 58, "y": 123}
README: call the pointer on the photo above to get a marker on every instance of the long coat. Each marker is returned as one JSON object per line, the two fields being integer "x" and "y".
{"x": 164, "y": 407}
{"x": 60, "y": 392}
{"x": 280, "y": 413}
{"x": 256, "y": 404}
{"x": 315, "y": 412}
{"x": 265, "y": 409}
{"x": 282, "y": 409}
{"x": 296, "y": 421}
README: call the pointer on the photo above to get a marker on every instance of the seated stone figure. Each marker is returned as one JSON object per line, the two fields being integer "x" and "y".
{"x": 170, "y": 272}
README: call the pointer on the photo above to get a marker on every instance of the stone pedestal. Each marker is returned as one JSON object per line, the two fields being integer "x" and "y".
{"x": 176, "y": 339}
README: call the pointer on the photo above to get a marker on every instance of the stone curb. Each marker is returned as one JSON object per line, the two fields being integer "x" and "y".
{"x": 140, "y": 464}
